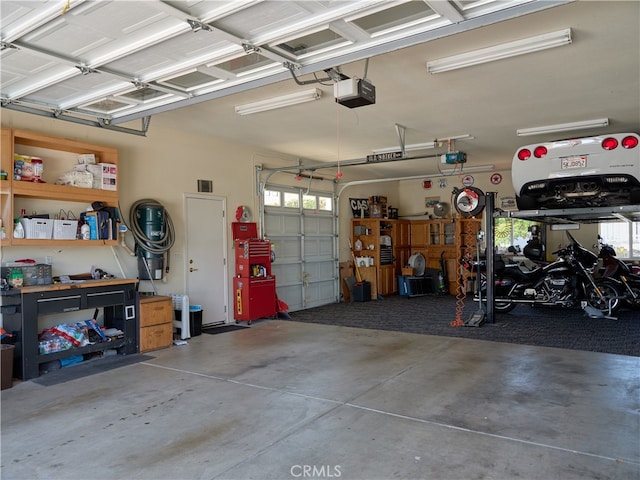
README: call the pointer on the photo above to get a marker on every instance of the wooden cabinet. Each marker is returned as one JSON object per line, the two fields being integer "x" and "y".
{"x": 467, "y": 235}
{"x": 445, "y": 240}
{"x": 401, "y": 234}
{"x": 6, "y": 201}
{"x": 156, "y": 323}
{"x": 387, "y": 280}
{"x": 59, "y": 155}
{"x": 373, "y": 238}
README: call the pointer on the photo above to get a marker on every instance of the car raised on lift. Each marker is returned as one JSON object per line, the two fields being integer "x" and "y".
{"x": 578, "y": 172}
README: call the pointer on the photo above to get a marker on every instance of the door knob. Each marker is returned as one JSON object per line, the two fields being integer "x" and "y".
{"x": 193, "y": 269}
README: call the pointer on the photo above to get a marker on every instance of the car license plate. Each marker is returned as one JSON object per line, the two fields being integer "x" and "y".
{"x": 573, "y": 162}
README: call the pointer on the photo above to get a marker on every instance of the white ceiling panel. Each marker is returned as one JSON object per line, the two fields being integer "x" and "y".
{"x": 77, "y": 90}
{"x": 190, "y": 49}
{"x": 263, "y": 17}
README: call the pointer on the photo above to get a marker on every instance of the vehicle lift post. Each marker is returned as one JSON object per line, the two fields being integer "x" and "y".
{"x": 478, "y": 318}
{"x": 490, "y": 236}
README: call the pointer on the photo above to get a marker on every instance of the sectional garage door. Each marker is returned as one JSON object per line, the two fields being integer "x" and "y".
{"x": 302, "y": 228}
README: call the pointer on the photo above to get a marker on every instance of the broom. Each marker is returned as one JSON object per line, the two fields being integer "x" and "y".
{"x": 355, "y": 263}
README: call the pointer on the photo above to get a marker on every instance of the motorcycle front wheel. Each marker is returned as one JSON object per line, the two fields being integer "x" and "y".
{"x": 609, "y": 302}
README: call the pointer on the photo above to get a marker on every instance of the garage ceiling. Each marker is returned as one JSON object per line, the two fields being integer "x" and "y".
{"x": 109, "y": 63}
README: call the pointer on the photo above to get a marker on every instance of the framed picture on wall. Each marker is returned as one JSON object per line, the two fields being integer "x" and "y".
{"x": 359, "y": 207}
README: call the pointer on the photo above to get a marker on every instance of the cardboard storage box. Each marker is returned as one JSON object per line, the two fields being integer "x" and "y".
{"x": 105, "y": 176}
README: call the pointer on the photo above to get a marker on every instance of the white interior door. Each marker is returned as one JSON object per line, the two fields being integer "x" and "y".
{"x": 206, "y": 257}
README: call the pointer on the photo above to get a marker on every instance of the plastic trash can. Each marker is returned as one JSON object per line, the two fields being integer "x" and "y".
{"x": 362, "y": 291}
{"x": 195, "y": 320}
{"x": 7, "y": 365}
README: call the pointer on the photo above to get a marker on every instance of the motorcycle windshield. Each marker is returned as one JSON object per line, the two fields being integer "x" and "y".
{"x": 586, "y": 257}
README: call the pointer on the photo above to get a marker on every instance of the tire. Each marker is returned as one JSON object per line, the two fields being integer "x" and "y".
{"x": 499, "y": 305}
{"x": 609, "y": 291}
{"x": 504, "y": 307}
{"x": 629, "y": 301}
{"x": 526, "y": 202}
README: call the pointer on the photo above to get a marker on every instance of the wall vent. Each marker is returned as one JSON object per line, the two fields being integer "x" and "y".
{"x": 205, "y": 186}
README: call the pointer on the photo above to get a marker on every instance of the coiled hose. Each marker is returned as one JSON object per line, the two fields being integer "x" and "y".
{"x": 161, "y": 246}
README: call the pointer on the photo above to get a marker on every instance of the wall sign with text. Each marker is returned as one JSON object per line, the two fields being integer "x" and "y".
{"x": 359, "y": 207}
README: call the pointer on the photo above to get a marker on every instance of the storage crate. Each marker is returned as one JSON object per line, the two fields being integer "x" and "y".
{"x": 179, "y": 300}
{"x": 65, "y": 229}
{"x": 39, "y": 228}
{"x": 33, "y": 274}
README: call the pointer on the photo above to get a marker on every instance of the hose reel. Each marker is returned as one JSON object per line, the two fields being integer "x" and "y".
{"x": 468, "y": 201}
{"x": 154, "y": 235}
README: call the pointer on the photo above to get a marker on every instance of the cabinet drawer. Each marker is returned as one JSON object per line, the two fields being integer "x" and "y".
{"x": 59, "y": 304}
{"x": 155, "y": 311}
{"x": 105, "y": 298}
{"x": 155, "y": 337}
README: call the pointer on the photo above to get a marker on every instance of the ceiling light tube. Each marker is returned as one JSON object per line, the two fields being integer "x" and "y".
{"x": 279, "y": 102}
{"x": 498, "y": 52}
{"x": 563, "y": 127}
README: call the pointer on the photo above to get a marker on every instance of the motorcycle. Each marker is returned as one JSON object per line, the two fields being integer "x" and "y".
{"x": 565, "y": 282}
{"x": 616, "y": 269}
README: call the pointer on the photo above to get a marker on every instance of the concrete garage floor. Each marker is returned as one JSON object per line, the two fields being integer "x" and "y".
{"x": 288, "y": 400}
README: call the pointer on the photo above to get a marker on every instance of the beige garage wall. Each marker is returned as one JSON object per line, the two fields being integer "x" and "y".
{"x": 163, "y": 166}
{"x": 412, "y": 192}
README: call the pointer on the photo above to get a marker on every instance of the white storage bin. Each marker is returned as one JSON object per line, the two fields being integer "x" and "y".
{"x": 37, "y": 228}
{"x": 65, "y": 229}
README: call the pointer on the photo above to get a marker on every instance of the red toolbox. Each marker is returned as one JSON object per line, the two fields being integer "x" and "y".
{"x": 254, "y": 298}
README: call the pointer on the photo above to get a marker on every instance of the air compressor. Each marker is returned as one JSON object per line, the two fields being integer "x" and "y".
{"x": 153, "y": 232}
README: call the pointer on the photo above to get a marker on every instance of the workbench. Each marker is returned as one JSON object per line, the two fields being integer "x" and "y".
{"x": 118, "y": 298}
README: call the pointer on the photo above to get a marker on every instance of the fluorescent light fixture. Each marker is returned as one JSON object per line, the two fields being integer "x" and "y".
{"x": 463, "y": 169}
{"x": 498, "y": 52}
{"x": 563, "y": 127}
{"x": 279, "y": 102}
{"x": 565, "y": 226}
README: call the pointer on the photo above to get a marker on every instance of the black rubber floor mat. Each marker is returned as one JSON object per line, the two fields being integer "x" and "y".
{"x": 223, "y": 329}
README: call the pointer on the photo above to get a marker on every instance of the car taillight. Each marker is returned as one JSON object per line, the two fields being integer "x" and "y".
{"x": 629, "y": 142}
{"x": 609, "y": 143}
{"x": 540, "y": 151}
{"x": 524, "y": 154}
